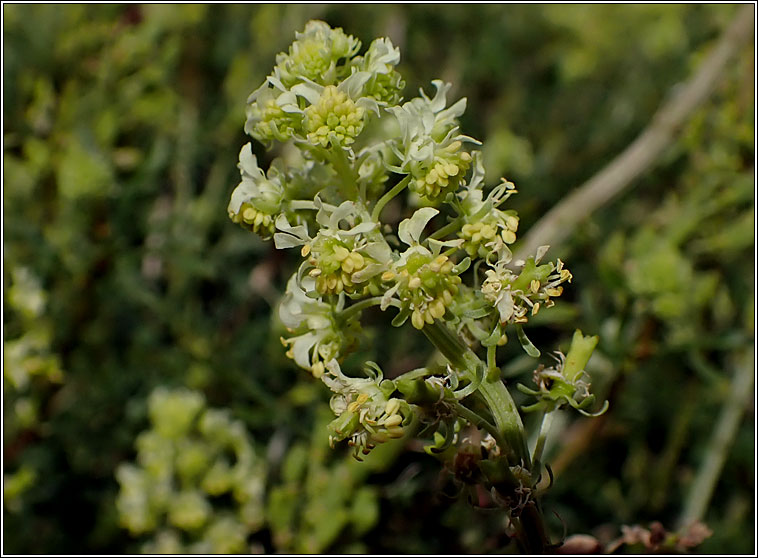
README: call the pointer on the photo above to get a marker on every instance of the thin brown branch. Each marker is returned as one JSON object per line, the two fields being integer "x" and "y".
{"x": 645, "y": 150}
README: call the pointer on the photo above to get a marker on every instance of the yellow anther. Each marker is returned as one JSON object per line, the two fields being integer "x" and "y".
{"x": 417, "y": 319}
{"x": 428, "y": 316}
{"x": 437, "y": 308}
{"x": 509, "y": 237}
{"x": 535, "y": 309}
{"x": 488, "y": 232}
{"x": 358, "y": 260}
{"x": 554, "y": 291}
{"x": 393, "y": 420}
{"x": 395, "y": 431}
{"x": 388, "y": 275}
{"x": 305, "y": 250}
{"x": 392, "y": 406}
{"x": 414, "y": 283}
{"x": 348, "y": 265}
{"x": 249, "y": 214}
{"x": 447, "y": 297}
{"x": 315, "y": 272}
{"x": 353, "y": 406}
{"x": 317, "y": 369}
{"x": 534, "y": 286}
{"x": 340, "y": 252}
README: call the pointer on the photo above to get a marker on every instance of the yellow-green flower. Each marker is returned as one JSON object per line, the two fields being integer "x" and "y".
{"x": 335, "y": 119}
{"x": 366, "y": 415}
{"x": 319, "y": 54}
{"x": 257, "y": 200}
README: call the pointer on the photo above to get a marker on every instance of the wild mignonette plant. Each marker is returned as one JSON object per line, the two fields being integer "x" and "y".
{"x": 446, "y": 270}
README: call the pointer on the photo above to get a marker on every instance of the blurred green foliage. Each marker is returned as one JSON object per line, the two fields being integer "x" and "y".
{"x": 123, "y": 276}
{"x": 190, "y": 461}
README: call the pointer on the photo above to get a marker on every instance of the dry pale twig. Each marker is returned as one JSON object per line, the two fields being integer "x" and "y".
{"x": 643, "y": 151}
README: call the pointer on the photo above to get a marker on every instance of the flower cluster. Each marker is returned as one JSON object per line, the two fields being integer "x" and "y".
{"x": 432, "y": 150}
{"x": 258, "y": 199}
{"x": 358, "y": 148}
{"x": 318, "y": 334}
{"x": 385, "y": 84}
{"x": 320, "y": 92}
{"x": 333, "y": 118}
{"x": 486, "y": 228}
{"x": 423, "y": 281}
{"x": 516, "y": 296}
{"x": 566, "y": 383}
{"x": 339, "y": 259}
{"x": 319, "y": 54}
{"x": 366, "y": 415}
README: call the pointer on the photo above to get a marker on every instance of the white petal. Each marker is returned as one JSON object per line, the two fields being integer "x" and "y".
{"x": 410, "y": 230}
{"x": 541, "y": 251}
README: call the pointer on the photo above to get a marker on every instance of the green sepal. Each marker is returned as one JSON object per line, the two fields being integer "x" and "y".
{"x": 401, "y": 317}
{"x": 417, "y": 391}
{"x": 528, "y": 346}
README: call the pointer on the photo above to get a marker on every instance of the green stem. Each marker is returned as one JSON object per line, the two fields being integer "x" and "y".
{"x": 363, "y": 304}
{"x": 480, "y": 422}
{"x": 508, "y": 429}
{"x": 531, "y": 532}
{"x": 539, "y": 447}
{"x": 384, "y": 200}
{"x": 504, "y": 412}
{"x": 347, "y": 174}
{"x": 507, "y": 420}
{"x": 452, "y": 226}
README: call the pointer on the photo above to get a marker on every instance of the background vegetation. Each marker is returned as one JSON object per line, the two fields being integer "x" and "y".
{"x": 123, "y": 274}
